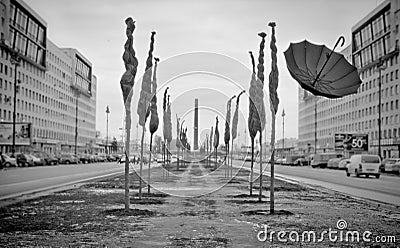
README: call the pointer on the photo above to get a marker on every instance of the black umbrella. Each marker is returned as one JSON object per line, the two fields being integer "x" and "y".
{"x": 322, "y": 71}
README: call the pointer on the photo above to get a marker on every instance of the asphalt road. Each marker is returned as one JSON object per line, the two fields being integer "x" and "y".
{"x": 386, "y": 189}
{"x": 17, "y": 181}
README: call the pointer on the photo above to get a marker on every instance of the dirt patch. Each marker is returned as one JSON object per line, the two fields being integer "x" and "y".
{"x": 201, "y": 201}
{"x": 266, "y": 212}
{"x": 240, "y": 202}
{"x": 130, "y": 212}
{"x": 196, "y": 242}
{"x": 158, "y": 195}
{"x": 146, "y": 201}
{"x": 246, "y": 196}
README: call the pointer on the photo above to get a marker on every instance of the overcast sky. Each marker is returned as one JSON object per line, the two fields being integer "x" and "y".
{"x": 229, "y": 28}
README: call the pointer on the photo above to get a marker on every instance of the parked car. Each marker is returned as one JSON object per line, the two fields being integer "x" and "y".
{"x": 24, "y": 160}
{"x": 132, "y": 159}
{"x": 333, "y": 163}
{"x": 101, "y": 158}
{"x": 8, "y": 161}
{"x": 391, "y": 165}
{"x": 68, "y": 159}
{"x": 42, "y": 156}
{"x": 343, "y": 164}
{"x": 111, "y": 157}
{"x": 364, "y": 164}
{"x": 280, "y": 161}
{"x": 37, "y": 160}
{"x": 51, "y": 159}
{"x": 321, "y": 159}
{"x": 84, "y": 158}
{"x": 300, "y": 162}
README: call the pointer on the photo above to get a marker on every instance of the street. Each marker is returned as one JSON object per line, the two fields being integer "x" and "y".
{"x": 17, "y": 181}
{"x": 385, "y": 189}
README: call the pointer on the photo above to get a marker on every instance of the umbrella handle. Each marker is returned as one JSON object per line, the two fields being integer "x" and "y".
{"x": 341, "y": 38}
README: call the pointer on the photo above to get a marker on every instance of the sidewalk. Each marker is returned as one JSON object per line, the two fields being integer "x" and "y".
{"x": 205, "y": 209}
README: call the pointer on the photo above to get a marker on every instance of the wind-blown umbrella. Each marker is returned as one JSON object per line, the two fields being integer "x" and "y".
{"x": 154, "y": 120}
{"x": 274, "y": 102}
{"x": 127, "y": 82}
{"x": 143, "y": 109}
{"x": 322, "y": 71}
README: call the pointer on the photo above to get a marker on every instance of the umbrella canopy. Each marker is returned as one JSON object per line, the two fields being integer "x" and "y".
{"x": 322, "y": 71}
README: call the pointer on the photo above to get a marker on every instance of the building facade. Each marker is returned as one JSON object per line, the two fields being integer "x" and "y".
{"x": 56, "y": 88}
{"x": 374, "y": 51}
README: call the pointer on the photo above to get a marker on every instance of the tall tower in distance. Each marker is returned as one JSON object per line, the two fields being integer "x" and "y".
{"x": 196, "y": 124}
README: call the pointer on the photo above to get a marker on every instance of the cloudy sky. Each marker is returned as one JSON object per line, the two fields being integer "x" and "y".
{"x": 223, "y": 30}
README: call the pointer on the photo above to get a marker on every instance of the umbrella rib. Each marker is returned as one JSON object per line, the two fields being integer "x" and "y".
{"x": 319, "y": 59}
{"x": 333, "y": 66}
{"x": 344, "y": 75}
{"x": 303, "y": 73}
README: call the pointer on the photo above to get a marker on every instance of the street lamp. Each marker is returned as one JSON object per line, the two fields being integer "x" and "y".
{"x": 15, "y": 60}
{"x": 107, "y": 112}
{"x": 76, "y": 119}
{"x": 380, "y": 67}
{"x": 283, "y": 132}
{"x": 315, "y": 126}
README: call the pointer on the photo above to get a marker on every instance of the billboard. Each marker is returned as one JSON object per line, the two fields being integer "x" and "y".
{"x": 351, "y": 142}
{"x": 22, "y": 133}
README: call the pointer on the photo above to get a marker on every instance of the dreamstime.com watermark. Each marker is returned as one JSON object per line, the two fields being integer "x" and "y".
{"x": 338, "y": 234}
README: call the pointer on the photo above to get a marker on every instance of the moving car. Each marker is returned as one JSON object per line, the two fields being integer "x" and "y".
{"x": 364, "y": 164}
{"x": 391, "y": 165}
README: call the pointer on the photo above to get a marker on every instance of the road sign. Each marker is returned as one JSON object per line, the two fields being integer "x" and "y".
{"x": 351, "y": 142}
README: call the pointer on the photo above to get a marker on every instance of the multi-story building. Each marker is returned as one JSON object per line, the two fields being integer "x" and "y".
{"x": 374, "y": 51}
{"x": 56, "y": 88}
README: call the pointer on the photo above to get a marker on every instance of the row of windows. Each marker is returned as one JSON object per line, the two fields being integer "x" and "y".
{"x": 26, "y": 25}
{"x": 31, "y": 107}
{"x": 84, "y": 128}
{"x": 25, "y": 65}
{"x": 372, "y": 31}
{"x": 58, "y": 62}
{"x": 394, "y": 75}
{"x": 83, "y": 69}
{"x": 27, "y": 47}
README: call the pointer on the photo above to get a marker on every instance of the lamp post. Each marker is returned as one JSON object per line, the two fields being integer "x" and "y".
{"x": 380, "y": 67}
{"x": 76, "y": 119}
{"x": 15, "y": 60}
{"x": 107, "y": 112}
{"x": 283, "y": 132}
{"x": 315, "y": 126}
